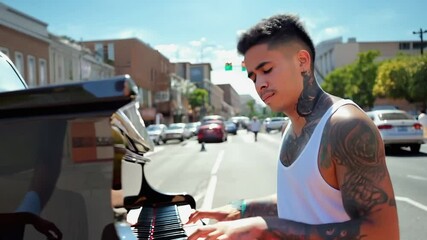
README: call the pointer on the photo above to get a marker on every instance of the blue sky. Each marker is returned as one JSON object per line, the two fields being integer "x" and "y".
{"x": 207, "y": 30}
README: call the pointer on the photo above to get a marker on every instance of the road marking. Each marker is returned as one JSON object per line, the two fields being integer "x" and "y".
{"x": 207, "y": 202}
{"x": 412, "y": 202}
{"x": 416, "y": 177}
{"x": 210, "y": 191}
{"x": 217, "y": 162}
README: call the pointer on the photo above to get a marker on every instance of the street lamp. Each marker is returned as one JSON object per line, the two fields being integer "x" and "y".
{"x": 421, "y": 32}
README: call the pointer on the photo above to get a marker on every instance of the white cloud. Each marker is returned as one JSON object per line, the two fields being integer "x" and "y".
{"x": 202, "y": 51}
{"x": 328, "y": 33}
{"x": 132, "y": 33}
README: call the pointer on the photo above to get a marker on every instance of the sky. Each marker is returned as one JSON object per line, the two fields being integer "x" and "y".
{"x": 207, "y": 30}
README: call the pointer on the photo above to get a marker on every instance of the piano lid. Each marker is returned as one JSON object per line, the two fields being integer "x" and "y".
{"x": 78, "y": 98}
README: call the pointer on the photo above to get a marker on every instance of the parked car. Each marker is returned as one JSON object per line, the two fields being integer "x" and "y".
{"x": 193, "y": 127}
{"x": 398, "y": 129}
{"x": 212, "y": 131}
{"x": 176, "y": 131}
{"x": 241, "y": 121}
{"x": 231, "y": 127}
{"x": 275, "y": 123}
{"x": 156, "y": 132}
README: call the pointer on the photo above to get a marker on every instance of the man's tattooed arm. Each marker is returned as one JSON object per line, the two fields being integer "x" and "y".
{"x": 263, "y": 207}
{"x": 353, "y": 149}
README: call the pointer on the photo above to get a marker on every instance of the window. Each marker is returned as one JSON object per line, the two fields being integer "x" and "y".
{"x": 111, "y": 51}
{"x": 9, "y": 79}
{"x": 19, "y": 62}
{"x": 42, "y": 72}
{"x": 5, "y": 51}
{"x": 99, "y": 52}
{"x": 417, "y": 45}
{"x": 31, "y": 76}
{"x": 404, "y": 46}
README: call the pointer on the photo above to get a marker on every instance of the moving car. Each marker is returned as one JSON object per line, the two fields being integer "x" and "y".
{"x": 231, "y": 127}
{"x": 275, "y": 123}
{"x": 212, "y": 131}
{"x": 398, "y": 129}
{"x": 176, "y": 131}
{"x": 156, "y": 132}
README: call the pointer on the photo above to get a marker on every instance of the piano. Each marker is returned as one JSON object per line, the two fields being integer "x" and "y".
{"x": 72, "y": 160}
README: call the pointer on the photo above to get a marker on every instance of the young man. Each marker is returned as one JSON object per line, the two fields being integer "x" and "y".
{"x": 332, "y": 181}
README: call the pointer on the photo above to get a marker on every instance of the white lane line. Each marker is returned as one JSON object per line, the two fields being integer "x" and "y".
{"x": 210, "y": 191}
{"x": 217, "y": 162}
{"x": 412, "y": 202}
{"x": 417, "y": 177}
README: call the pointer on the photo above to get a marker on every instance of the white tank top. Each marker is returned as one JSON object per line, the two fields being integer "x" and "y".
{"x": 302, "y": 193}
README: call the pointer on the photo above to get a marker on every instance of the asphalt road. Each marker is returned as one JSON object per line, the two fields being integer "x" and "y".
{"x": 243, "y": 168}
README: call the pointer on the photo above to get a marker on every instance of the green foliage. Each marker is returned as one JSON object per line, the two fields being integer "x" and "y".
{"x": 393, "y": 78}
{"x": 198, "y": 97}
{"x": 418, "y": 83}
{"x": 251, "y": 106}
{"x": 403, "y": 77}
{"x": 355, "y": 81}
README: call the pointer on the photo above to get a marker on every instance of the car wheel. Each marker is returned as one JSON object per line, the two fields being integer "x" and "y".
{"x": 415, "y": 148}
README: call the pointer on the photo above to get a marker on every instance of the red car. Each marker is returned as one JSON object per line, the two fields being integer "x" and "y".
{"x": 212, "y": 131}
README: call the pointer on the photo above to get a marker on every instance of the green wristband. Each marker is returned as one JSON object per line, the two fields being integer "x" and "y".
{"x": 240, "y": 205}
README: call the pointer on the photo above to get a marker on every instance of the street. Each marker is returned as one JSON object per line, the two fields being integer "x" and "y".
{"x": 243, "y": 168}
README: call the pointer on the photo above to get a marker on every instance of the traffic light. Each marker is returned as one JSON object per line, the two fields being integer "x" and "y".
{"x": 228, "y": 66}
{"x": 243, "y": 66}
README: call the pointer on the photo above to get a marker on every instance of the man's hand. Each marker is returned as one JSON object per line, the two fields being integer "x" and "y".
{"x": 49, "y": 229}
{"x": 225, "y": 213}
{"x": 248, "y": 228}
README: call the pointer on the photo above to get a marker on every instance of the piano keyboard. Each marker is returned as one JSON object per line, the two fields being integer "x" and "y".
{"x": 161, "y": 222}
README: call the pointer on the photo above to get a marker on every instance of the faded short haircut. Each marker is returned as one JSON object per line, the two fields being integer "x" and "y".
{"x": 275, "y": 31}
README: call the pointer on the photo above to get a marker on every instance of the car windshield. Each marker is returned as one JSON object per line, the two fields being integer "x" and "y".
{"x": 173, "y": 127}
{"x": 153, "y": 128}
{"x": 9, "y": 79}
{"x": 394, "y": 116}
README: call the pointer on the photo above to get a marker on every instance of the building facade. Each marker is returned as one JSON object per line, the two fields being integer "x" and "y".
{"x": 335, "y": 53}
{"x": 26, "y": 41}
{"x": 69, "y": 61}
{"x": 232, "y": 98}
{"x": 148, "y": 68}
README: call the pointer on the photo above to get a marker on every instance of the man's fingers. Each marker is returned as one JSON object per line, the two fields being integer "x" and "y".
{"x": 194, "y": 217}
{"x": 201, "y": 233}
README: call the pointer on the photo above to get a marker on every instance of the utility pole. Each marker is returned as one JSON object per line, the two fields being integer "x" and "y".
{"x": 421, "y": 32}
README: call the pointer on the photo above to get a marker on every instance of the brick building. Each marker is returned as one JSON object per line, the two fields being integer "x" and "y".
{"x": 148, "y": 68}
{"x": 26, "y": 41}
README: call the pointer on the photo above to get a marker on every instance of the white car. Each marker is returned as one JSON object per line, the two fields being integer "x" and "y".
{"x": 275, "y": 123}
{"x": 176, "y": 131}
{"x": 156, "y": 132}
{"x": 398, "y": 129}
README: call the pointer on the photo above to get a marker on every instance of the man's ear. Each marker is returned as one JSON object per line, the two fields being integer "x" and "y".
{"x": 304, "y": 60}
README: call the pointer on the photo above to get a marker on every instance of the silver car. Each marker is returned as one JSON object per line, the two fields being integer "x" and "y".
{"x": 156, "y": 132}
{"x": 176, "y": 131}
{"x": 398, "y": 129}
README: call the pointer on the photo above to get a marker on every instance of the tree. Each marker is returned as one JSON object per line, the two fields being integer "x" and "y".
{"x": 198, "y": 99}
{"x": 393, "y": 78}
{"x": 403, "y": 77}
{"x": 355, "y": 81}
{"x": 335, "y": 82}
{"x": 251, "y": 106}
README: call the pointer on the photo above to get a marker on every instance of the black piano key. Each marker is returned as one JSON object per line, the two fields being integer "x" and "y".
{"x": 161, "y": 223}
